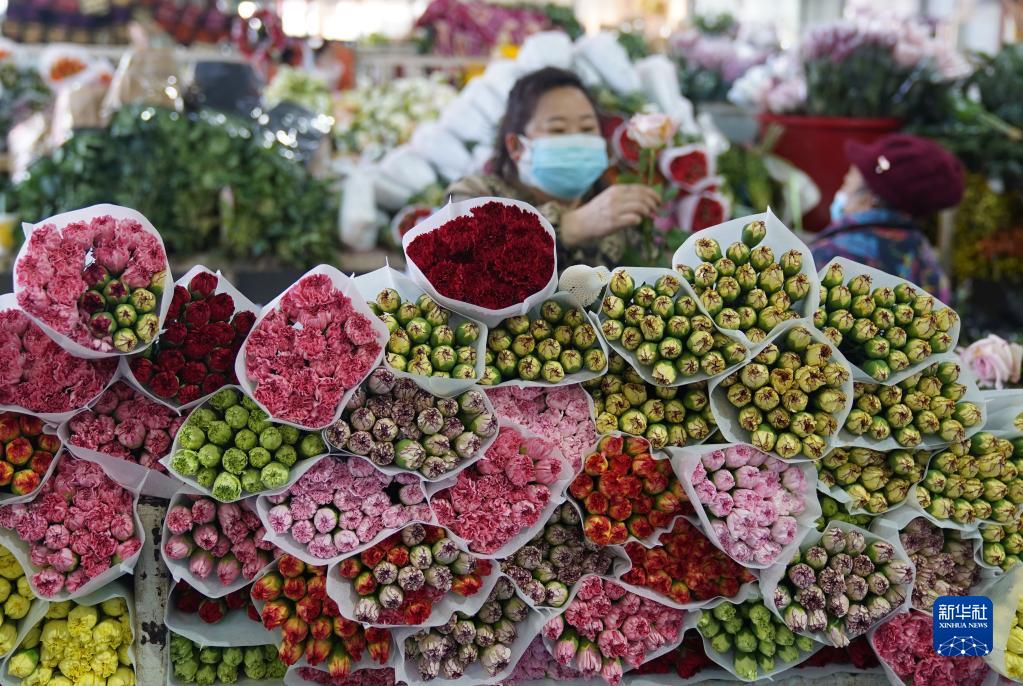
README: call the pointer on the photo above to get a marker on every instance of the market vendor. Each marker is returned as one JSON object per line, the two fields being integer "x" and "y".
{"x": 891, "y": 185}
{"x": 550, "y": 153}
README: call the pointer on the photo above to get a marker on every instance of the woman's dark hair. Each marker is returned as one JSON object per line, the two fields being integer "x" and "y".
{"x": 522, "y": 101}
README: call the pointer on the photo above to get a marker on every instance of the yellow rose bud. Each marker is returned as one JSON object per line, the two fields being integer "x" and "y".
{"x": 122, "y": 654}
{"x": 8, "y": 634}
{"x": 104, "y": 662}
{"x": 107, "y": 633}
{"x": 25, "y": 588}
{"x": 115, "y": 607}
{"x": 10, "y": 568}
{"x": 59, "y": 610}
{"x": 5, "y": 589}
{"x": 55, "y": 632}
{"x": 16, "y": 606}
{"x": 1014, "y": 665}
{"x": 40, "y": 677}
{"x": 1015, "y": 642}
{"x": 81, "y": 619}
{"x": 23, "y": 663}
{"x": 61, "y": 680}
{"x": 127, "y": 676}
{"x": 90, "y": 679}
{"x": 127, "y": 635}
{"x": 31, "y": 639}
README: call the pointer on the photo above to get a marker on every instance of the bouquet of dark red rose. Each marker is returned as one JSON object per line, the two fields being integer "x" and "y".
{"x": 195, "y": 355}
{"x": 189, "y": 601}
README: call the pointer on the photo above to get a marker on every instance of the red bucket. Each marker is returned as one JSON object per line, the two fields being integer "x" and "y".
{"x": 817, "y": 146}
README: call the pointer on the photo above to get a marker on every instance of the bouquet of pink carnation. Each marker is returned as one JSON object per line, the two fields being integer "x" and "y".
{"x": 309, "y": 348}
{"x": 755, "y": 504}
{"x": 606, "y": 628}
{"x": 226, "y": 538}
{"x": 95, "y": 277}
{"x": 39, "y": 376}
{"x": 561, "y": 414}
{"x": 126, "y": 425}
{"x": 342, "y": 505}
{"x": 80, "y": 524}
{"x": 905, "y": 644}
{"x": 503, "y": 494}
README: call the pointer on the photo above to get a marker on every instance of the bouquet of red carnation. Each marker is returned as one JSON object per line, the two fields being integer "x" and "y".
{"x": 126, "y": 425}
{"x": 858, "y": 653}
{"x": 686, "y": 660}
{"x": 195, "y": 354}
{"x": 294, "y": 598}
{"x": 399, "y": 580}
{"x": 189, "y": 601}
{"x": 27, "y": 450}
{"x": 624, "y": 491}
{"x": 685, "y": 567}
{"x": 225, "y": 538}
{"x": 364, "y": 677}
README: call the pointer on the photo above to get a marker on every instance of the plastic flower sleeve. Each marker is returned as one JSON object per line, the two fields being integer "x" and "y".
{"x": 779, "y": 238}
{"x": 442, "y": 149}
{"x": 706, "y": 161}
{"x": 342, "y": 592}
{"x": 293, "y": 677}
{"x": 881, "y": 279}
{"x": 545, "y": 49}
{"x": 685, "y": 461}
{"x": 728, "y": 415}
{"x": 347, "y": 289}
{"x": 467, "y": 122}
{"x": 608, "y": 58}
{"x": 371, "y": 284}
{"x": 241, "y": 304}
{"x": 1005, "y": 594}
{"x": 236, "y": 628}
{"x": 62, "y": 222}
{"x": 1004, "y": 409}
{"x": 487, "y": 316}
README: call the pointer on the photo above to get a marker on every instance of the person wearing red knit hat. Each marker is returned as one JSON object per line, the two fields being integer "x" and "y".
{"x": 891, "y": 184}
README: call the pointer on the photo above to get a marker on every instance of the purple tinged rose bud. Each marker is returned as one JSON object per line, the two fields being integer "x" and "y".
{"x": 485, "y": 635}
{"x": 782, "y": 597}
{"x": 833, "y": 540}
{"x": 856, "y": 588}
{"x": 816, "y": 620}
{"x": 490, "y": 612}
{"x": 452, "y": 428}
{"x": 467, "y": 445}
{"x": 841, "y": 563}
{"x": 337, "y": 434}
{"x": 463, "y": 564}
{"x": 445, "y": 551}
{"x": 505, "y": 631}
{"x": 795, "y": 618}
{"x": 831, "y": 581}
{"x": 468, "y": 653}
{"x": 816, "y": 557}
{"x": 447, "y": 406}
{"x": 385, "y": 572}
{"x": 439, "y": 577}
{"x": 452, "y": 668}
{"x": 430, "y": 421}
{"x": 495, "y": 658}
{"x": 411, "y": 579}
{"x": 836, "y": 634}
{"x": 361, "y": 443}
{"x": 390, "y": 597}
{"x": 381, "y": 381}
{"x": 420, "y": 557}
{"x": 362, "y": 419}
{"x": 880, "y": 552}
{"x": 811, "y": 598}
{"x": 536, "y": 591}
{"x": 413, "y": 534}
{"x": 895, "y": 597}
{"x": 838, "y": 605}
{"x": 862, "y": 566}
{"x": 801, "y": 575}
{"x": 428, "y": 669}
{"x": 857, "y": 621}
{"x": 855, "y": 543}
{"x": 899, "y": 572}
{"x": 878, "y": 583}
{"x": 385, "y": 430}
{"x": 464, "y": 632}
{"x": 879, "y": 608}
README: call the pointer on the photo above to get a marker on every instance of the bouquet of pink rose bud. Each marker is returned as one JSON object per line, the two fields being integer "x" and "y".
{"x": 222, "y": 538}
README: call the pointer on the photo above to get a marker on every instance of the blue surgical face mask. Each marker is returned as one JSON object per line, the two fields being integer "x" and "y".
{"x": 563, "y": 166}
{"x": 837, "y": 208}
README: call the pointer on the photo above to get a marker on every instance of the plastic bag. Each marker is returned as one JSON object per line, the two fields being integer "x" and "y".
{"x": 659, "y": 79}
{"x": 236, "y": 628}
{"x": 607, "y": 56}
{"x": 405, "y": 168}
{"x": 466, "y": 121}
{"x": 443, "y": 150}
{"x": 545, "y": 49}
{"x": 1003, "y": 407}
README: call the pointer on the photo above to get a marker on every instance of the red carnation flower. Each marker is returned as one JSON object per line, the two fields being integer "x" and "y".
{"x": 142, "y": 368}
{"x": 192, "y": 373}
{"x": 236, "y": 600}
{"x": 243, "y": 321}
{"x": 164, "y": 385}
{"x": 203, "y": 284}
{"x": 219, "y": 333}
{"x": 398, "y": 556}
{"x": 212, "y": 383}
{"x": 416, "y": 613}
{"x": 221, "y": 307}
{"x": 174, "y": 334}
{"x": 197, "y": 313}
{"x": 371, "y": 557}
{"x": 188, "y": 601}
{"x": 178, "y": 300}
{"x": 212, "y": 611}
{"x": 196, "y": 348}
{"x": 170, "y": 360}
{"x": 187, "y": 394}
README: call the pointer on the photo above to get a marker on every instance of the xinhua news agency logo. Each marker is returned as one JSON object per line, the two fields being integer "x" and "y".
{"x": 963, "y": 625}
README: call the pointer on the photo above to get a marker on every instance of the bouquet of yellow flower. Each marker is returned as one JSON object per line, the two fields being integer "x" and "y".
{"x": 78, "y": 645}
{"x": 15, "y": 599}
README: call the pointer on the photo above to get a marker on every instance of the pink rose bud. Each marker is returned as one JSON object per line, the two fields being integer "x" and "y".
{"x": 122, "y": 526}
{"x": 783, "y": 531}
{"x": 757, "y": 458}
{"x": 766, "y": 553}
{"x": 255, "y": 565}
{"x": 713, "y": 460}
{"x": 206, "y": 536}
{"x": 793, "y": 479}
{"x": 200, "y": 564}
{"x": 63, "y": 560}
{"x": 721, "y": 505}
{"x": 203, "y": 511}
{"x": 179, "y": 519}
{"x": 747, "y": 476}
{"x": 228, "y": 570}
{"x": 553, "y": 628}
{"x": 723, "y": 480}
{"x": 178, "y": 547}
{"x": 699, "y": 474}
{"x": 38, "y": 554}
{"x": 280, "y": 518}
{"x": 222, "y": 548}
{"x": 411, "y": 494}
{"x": 228, "y": 513}
{"x": 128, "y": 549}
{"x": 738, "y": 455}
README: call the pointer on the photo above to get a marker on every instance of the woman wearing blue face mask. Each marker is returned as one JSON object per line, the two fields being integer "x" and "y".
{"x": 550, "y": 153}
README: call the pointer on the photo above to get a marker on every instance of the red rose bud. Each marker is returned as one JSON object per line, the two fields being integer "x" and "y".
{"x": 236, "y": 600}
{"x": 19, "y": 451}
{"x": 467, "y": 585}
{"x": 345, "y": 627}
{"x": 174, "y": 335}
{"x": 276, "y": 613}
{"x": 620, "y": 465}
{"x": 619, "y": 534}
{"x": 187, "y": 600}
{"x": 10, "y": 428}
{"x": 178, "y": 300}
{"x": 611, "y": 445}
{"x": 619, "y": 508}
{"x": 197, "y": 313}
{"x": 655, "y": 483}
{"x": 349, "y": 568}
{"x": 24, "y": 482}
{"x": 221, "y": 308}
{"x": 418, "y": 611}
{"x": 268, "y": 587}
{"x": 193, "y": 372}
{"x": 290, "y": 566}
{"x": 242, "y": 322}
{"x": 659, "y": 581}
{"x": 340, "y": 662}
{"x": 372, "y": 556}
{"x": 365, "y": 584}
{"x": 434, "y": 534}
{"x": 680, "y": 592}
{"x": 164, "y": 385}
{"x": 221, "y": 359}
{"x": 635, "y": 576}
{"x": 380, "y": 650}
{"x": 96, "y": 275}
{"x": 196, "y": 348}
{"x": 658, "y": 519}
{"x": 219, "y": 334}
{"x": 92, "y": 302}
{"x": 639, "y": 526}
{"x": 308, "y": 608}
{"x": 6, "y": 473}
{"x": 30, "y": 425}
{"x": 290, "y": 653}
{"x": 294, "y": 588}
{"x": 644, "y": 466}
{"x": 317, "y": 651}
{"x": 187, "y": 394}
{"x": 581, "y": 486}
{"x": 642, "y": 504}
{"x": 596, "y": 503}
{"x": 170, "y": 360}
{"x": 202, "y": 285}
{"x": 48, "y": 442}
{"x": 321, "y": 628}
{"x": 667, "y": 502}
{"x": 595, "y": 464}
{"x": 608, "y": 485}
{"x": 598, "y": 529}
{"x": 330, "y": 608}
{"x": 295, "y": 630}
{"x": 317, "y": 587}
{"x": 398, "y": 556}
{"x": 484, "y": 568}
{"x": 636, "y": 446}
{"x": 41, "y": 461}
{"x": 656, "y": 560}
{"x": 212, "y": 611}
{"x": 142, "y": 369}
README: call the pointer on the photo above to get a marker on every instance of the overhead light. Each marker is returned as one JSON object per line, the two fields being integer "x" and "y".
{"x": 246, "y": 8}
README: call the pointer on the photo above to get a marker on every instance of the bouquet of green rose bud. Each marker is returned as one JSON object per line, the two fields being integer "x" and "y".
{"x": 871, "y": 481}
{"x": 790, "y": 399}
{"x": 749, "y": 641}
{"x": 664, "y": 415}
{"x": 662, "y": 331}
{"x": 208, "y": 665}
{"x": 929, "y": 408}
{"x": 229, "y": 448}
{"x": 546, "y": 568}
{"x": 747, "y": 287}
{"x": 883, "y": 324}
{"x": 401, "y": 427}
{"x": 481, "y": 646}
{"x": 834, "y": 511}
{"x": 554, "y": 343}
{"x": 1003, "y": 544}
{"x": 974, "y": 480}
{"x": 840, "y": 585}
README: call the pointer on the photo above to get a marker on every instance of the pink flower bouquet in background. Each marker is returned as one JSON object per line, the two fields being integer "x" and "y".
{"x": 310, "y": 349}
{"x": 39, "y": 376}
{"x": 560, "y": 414}
{"x": 97, "y": 280}
{"x": 80, "y": 525}
{"x": 606, "y": 629}
{"x": 222, "y": 542}
{"x": 502, "y": 494}
{"x": 905, "y": 645}
{"x": 126, "y": 425}
{"x": 341, "y": 505}
{"x": 752, "y": 501}
{"x": 994, "y": 361}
